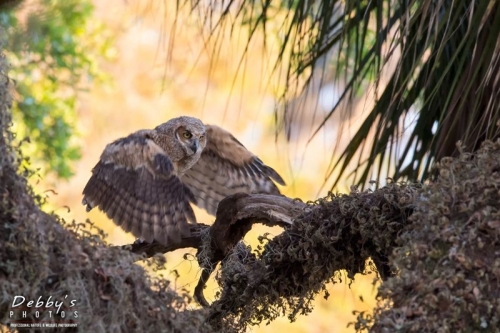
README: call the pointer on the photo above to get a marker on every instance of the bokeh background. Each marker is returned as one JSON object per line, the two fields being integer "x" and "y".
{"x": 160, "y": 66}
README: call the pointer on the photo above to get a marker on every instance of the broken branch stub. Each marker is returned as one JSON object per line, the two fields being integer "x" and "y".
{"x": 235, "y": 216}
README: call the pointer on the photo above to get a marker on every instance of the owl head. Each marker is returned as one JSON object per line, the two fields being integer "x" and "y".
{"x": 182, "y": 137}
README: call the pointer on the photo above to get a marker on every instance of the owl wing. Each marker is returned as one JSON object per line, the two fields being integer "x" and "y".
{"x": 135, "y": 184}
{"x": 226, "y": 167}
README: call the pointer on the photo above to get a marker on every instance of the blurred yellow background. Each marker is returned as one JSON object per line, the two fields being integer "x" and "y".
{"x": 153, "y": 83}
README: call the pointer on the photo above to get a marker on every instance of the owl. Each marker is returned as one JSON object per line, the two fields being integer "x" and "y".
{"x": 147, "y": 181}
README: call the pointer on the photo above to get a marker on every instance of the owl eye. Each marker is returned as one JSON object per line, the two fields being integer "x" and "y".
{"x": 187, "y": 135}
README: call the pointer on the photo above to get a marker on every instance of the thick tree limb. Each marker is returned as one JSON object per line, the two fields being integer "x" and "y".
{"x": 346, "y": 226}
{"x": 333, "y": 234}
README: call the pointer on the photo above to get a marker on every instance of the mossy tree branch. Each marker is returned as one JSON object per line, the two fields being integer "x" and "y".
{"x": 343, "y": 226}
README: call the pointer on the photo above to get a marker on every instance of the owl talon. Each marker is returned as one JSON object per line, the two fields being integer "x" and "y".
{"x": 140, "y": 241}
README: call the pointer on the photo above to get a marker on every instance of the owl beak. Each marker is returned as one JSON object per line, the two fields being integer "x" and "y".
{"x": 195, "y": 145}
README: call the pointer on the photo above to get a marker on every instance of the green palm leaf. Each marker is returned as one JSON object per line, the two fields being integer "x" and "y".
{"x": 447, "y": 72}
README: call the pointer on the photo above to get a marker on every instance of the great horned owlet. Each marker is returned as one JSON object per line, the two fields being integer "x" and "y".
{"x": 146, "y": 181}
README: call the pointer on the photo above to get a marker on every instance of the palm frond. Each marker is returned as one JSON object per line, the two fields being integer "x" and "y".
{"x": 447, "y": 72}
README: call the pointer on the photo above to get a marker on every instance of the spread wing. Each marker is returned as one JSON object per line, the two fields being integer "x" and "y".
{"x": 135, "y": 184}
{"x": 226, "y": 167}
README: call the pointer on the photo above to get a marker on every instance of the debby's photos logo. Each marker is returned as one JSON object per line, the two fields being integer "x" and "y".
{"x": 43, "y": 312}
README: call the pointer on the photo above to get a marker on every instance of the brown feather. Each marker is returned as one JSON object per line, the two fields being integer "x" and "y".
{"x": 226, "y": 146}
{"x": 226, "y": 167}
{"x": 135, "y": 184}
